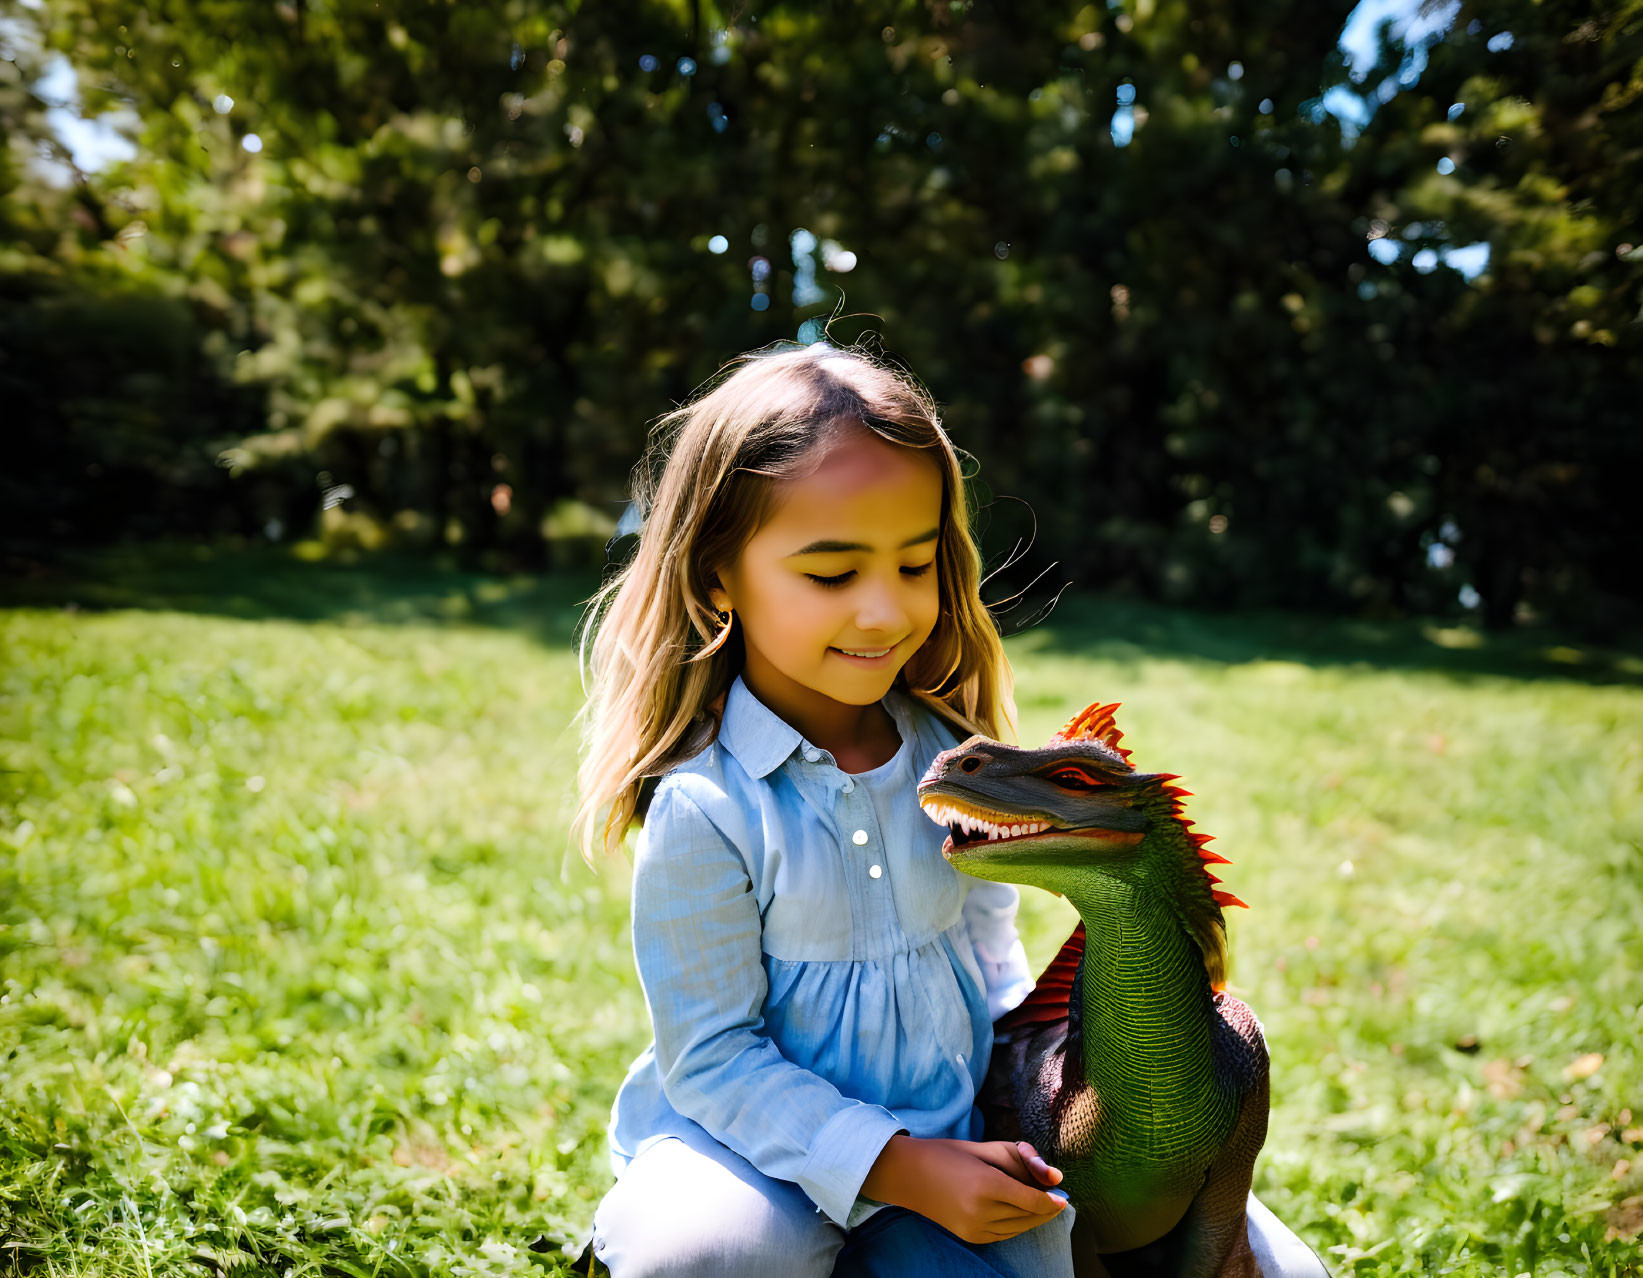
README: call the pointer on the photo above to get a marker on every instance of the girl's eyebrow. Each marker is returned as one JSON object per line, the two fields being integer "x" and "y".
{"x": 837, "y": 547}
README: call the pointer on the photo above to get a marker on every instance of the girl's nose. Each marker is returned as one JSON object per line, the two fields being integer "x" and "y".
{"x": 880, "y": 612}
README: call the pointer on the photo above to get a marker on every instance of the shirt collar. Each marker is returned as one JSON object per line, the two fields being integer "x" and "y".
{"x": 761, "y": 740}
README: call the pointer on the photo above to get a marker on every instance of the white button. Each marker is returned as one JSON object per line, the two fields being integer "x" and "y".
{"x": 811, "y": 754}
{"x": 961, "y": 1058}
{"x": 848, "y": 785}
{"x": 875, "y": 870}
{"x": 859, "y": 837}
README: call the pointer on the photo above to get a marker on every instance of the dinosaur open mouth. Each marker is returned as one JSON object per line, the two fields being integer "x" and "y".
{"x": 965, "y": 827}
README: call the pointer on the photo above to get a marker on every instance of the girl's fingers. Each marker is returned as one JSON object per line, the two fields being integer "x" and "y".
{"x": 1019, "y": 1159}
{"x": 1006, "y": 1157}
{"x": 1022, "y": 1220}
{"x": 998, "y": 1230}
{"x": 1040, "y": 1168}
{"x": 1024, "y": 1197}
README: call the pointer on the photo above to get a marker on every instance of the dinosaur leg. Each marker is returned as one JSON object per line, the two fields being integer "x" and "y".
{"x": 1240, "y": 1261}
{"x": 1214, "y": 1234}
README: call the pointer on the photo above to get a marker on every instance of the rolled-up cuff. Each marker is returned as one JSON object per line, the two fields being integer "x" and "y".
{"x": 841, "y": 1155}
{"x": 864, "y": 1208}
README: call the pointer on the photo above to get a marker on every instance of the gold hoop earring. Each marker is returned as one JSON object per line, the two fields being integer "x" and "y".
{"x": 718, "y": 640}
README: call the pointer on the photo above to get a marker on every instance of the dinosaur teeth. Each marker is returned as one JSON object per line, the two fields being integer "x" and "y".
{"x": 968, "y": 824}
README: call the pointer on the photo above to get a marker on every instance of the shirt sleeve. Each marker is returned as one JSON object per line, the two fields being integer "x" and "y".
{"x": 989, "y": 916}
{"x": 696, "y": 944}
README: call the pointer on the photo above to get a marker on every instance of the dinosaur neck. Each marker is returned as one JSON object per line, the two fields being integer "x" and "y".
{"x": 1144, "y": 1016}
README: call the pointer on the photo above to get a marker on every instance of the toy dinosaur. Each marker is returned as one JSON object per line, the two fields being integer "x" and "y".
{"x": 1128, "y": 1066}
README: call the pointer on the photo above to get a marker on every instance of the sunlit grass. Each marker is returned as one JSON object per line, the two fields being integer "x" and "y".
{"x": 292, "y": 978}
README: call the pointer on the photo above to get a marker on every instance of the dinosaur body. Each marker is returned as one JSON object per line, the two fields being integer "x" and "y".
{"x": 1128, "y": 1066}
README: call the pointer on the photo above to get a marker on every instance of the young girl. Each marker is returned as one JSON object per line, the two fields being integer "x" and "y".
{"x": 798, "y": 634}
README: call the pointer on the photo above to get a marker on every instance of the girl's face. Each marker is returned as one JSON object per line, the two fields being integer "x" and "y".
{"x": 845, "y": 565}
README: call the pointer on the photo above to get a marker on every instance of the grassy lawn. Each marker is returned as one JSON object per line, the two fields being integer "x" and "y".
{"x": 298, "y": 976}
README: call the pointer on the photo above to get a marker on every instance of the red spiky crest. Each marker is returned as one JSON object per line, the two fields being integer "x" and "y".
{"x": 1094, "y": 723}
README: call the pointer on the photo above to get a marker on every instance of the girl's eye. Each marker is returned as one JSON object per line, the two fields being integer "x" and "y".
{"x": 1074, "y": 779}
{"x": 830, "y": 583}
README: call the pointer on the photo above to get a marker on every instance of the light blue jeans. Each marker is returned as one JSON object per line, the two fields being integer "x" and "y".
{"x": 693, "y": 1207}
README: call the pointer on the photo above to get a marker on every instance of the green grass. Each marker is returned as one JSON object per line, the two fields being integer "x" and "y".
{"x": 296, "y": 977}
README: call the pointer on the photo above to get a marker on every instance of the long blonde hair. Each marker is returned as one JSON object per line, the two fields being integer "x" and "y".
{"x": 660, "y": 658}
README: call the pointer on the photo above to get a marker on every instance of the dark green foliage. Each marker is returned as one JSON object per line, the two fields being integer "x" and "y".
{"x": 470, "y": 263}
{"x": 122, "y": 413}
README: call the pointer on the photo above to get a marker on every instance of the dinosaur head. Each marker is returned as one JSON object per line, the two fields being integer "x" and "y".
{"x": 1074, "y": 809}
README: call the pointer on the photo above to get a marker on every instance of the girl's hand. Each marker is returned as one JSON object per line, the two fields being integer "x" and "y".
{"x": 982, "y": 1191}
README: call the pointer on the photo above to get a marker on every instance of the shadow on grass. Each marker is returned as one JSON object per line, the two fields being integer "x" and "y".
{"x": 257, "y": 583}
{"x": 1123, "y": 629}
{"x": 265, "y": 582}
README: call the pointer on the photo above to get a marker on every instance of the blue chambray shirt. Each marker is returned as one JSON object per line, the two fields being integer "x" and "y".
{"x": 818, "y": 976}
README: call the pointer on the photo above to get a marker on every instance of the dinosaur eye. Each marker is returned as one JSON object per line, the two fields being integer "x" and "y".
{"x": 1074, "y": 779}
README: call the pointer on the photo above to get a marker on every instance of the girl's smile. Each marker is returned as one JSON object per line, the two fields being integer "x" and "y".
{"x": 866, "y": 657}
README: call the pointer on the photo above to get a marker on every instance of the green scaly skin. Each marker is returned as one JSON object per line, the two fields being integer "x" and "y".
{"x": 1141, "y": 1080}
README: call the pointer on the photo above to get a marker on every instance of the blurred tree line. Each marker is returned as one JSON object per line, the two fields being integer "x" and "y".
{"x": 421, "y": 273}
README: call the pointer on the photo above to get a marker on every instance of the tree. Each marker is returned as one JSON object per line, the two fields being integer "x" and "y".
{"x": 1181, "y": 280}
